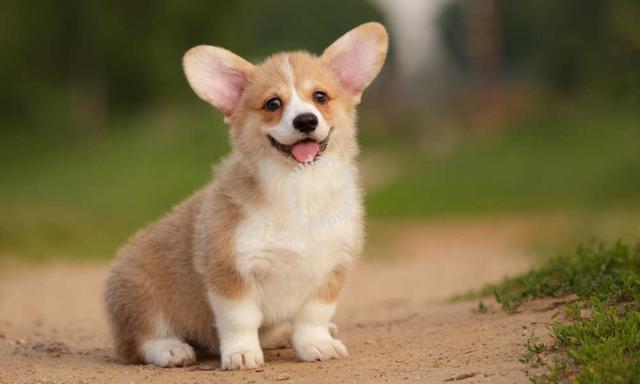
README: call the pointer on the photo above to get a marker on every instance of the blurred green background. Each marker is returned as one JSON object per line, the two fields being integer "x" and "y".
{"x": 484, "y": 108}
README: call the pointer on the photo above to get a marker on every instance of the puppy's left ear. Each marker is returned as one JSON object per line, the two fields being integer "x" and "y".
{"x": 357, "y": 57}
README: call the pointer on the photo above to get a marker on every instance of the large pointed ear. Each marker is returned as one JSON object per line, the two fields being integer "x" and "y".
{"x": 216, "y": 75}
{"x": 357, "y": 57}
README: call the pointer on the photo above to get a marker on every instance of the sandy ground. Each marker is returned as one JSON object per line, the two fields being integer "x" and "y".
{"x": 394, "y": 317}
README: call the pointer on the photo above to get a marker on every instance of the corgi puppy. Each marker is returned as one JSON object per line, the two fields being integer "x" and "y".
{"x": 256, "y": 259}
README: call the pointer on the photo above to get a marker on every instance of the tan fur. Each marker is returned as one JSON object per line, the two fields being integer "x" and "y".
{"x": 154, "y": 275}
{"x": 163, "y": 273}
{"x": 329, "y": 293}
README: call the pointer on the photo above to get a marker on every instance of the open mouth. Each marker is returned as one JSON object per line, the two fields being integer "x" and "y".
{"x": 303, "y": 151}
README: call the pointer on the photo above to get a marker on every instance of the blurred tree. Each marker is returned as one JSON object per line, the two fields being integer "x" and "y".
{"x": 572, "y": 46}
{"x": 483, "y": 39}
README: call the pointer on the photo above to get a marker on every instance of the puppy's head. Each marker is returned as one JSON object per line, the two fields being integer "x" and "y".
{"x": 293, "y": 106}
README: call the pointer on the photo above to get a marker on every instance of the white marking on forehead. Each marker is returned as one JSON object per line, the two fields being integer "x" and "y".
{"x": 290, "y": 74}
{"x": 296, "y": 105}
{"x": 288, "y": 71}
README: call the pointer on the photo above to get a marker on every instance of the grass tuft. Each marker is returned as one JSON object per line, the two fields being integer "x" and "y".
{"x": 599, "y": 273}
{"x": 602, "y": 346}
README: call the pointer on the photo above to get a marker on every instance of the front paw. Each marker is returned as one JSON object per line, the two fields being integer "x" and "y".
{"x": 320, "y": 350}
{"x": 248, "y": 359}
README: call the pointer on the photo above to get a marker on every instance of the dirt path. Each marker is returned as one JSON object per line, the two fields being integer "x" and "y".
{"x": 393, "y": 316}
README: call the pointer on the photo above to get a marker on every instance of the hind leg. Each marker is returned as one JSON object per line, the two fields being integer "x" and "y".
{"x": 155, "y": 343}
{"x": 141, "y": 333}
{"x": 164, "y": 348}
{"x": 279, "y": 336}
{"x": 167, "y": 352}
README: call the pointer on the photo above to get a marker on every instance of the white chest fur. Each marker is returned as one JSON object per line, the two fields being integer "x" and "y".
{"x": 310, "y": 223}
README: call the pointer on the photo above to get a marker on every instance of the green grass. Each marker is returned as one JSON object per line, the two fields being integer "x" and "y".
{"x": 81, "y": 199}
{"x": 64, "y": 197}
{"x": 603, "y": 344}
{"x": 547, "y": 161}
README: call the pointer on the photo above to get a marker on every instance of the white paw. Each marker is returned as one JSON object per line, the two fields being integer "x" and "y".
{"x": 250, "y": 359}
{"x": 322, "y": 350}
{"x": 168, "y": 353}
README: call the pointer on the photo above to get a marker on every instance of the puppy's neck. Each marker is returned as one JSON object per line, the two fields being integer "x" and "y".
{"x": 281, "y": 183}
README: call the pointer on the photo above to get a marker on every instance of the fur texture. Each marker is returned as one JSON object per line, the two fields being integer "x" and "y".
{"x": 257, "y": 258}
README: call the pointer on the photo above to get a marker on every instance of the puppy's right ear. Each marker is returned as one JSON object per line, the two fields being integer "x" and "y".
{"x": 216, "y": 75}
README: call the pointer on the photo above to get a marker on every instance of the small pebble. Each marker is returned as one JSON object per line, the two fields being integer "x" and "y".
{"x": 283, "y": 377}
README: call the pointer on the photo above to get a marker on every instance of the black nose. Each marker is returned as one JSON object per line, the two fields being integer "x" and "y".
{"x": 305, "y": 122}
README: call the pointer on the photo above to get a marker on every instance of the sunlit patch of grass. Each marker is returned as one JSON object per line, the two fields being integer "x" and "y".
{"x": 602, "y": 273}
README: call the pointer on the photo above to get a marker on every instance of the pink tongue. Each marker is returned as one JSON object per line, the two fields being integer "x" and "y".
{"x": 305, "y": 151}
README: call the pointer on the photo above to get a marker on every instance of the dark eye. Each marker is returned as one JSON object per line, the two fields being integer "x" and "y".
{"x": 273, "y": 104}
{"x": 320, "y": 97}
